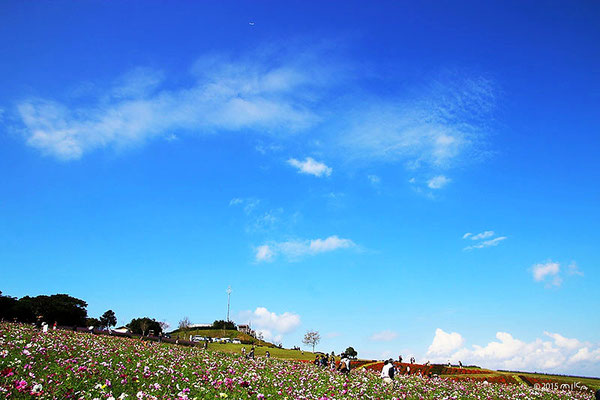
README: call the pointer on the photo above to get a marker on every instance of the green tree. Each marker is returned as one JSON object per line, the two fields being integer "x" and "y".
{"x": 221, "y": 324}
{"x": 95, "y": 322}
{"x": 108, "y": 319}
{"x": 350, "y": 352}
{"x": 7, "y": 307}
{"x": 142, "y": 326}
{"x": 60, "y": 308}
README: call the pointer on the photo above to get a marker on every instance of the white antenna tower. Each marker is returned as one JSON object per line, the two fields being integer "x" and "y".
{"x": 228, "y": 298}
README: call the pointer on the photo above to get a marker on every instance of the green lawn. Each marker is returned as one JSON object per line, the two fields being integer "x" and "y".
{"x": 259, "y": 351}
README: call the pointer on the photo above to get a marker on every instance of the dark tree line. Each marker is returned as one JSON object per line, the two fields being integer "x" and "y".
{"x": 68, "y": 311}
{"x": 60, "y": 308}
{"x": 221, "y": 324}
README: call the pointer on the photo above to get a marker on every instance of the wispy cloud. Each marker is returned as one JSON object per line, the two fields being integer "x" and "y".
{"x": 482, "y": 235}
{"x": 487, "y": 243}
{"x": 310, "y": 166}
{"x": 249, "y": 204}
{"x": 438, "y": 182}
{"x": 264, "y": 253}
{"x": 274, "y": 96}
{"x": 295, "y": 249}
{"x": 573, "y": 269}
{"x": 435, "y": 128}
{"x": 374, "y": 179}
{"x": 483, "y": 243}
{"x": 384, "y": 336}
{"x": 259, "y": 94}
{"x": 552, "y": 274}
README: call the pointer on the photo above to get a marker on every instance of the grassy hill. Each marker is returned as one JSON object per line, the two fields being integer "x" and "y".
{"x": 220, "y": 333}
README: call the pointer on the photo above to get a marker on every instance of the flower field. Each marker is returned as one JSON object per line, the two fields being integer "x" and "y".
{"x": 71, "y": 365}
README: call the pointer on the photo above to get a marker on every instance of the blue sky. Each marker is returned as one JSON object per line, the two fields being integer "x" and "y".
{"x": 416, "y": 179}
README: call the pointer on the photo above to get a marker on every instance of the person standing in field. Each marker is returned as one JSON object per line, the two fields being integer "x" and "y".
{"x": 344, "y": 366}
{"x": 387, "y": 372}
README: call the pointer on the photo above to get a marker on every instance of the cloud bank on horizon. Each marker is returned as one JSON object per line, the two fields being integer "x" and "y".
{"x": 559, "y": 354}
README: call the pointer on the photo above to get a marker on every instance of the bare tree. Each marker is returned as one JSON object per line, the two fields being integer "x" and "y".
{"x": 164, "y": 325}
{"x": 311, "y": 338}
{"x": 184, "y": 323}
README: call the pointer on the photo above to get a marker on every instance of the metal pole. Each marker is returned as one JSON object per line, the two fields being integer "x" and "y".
{"x": 228, "y": 298}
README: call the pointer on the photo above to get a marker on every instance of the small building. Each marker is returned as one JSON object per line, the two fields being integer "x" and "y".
{"x": 245, "y": 329}
{"x": 122, "y": 329}
{"x": 200, "y": 326}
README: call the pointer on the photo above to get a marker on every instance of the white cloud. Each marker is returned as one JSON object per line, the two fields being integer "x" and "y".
{"x": 573, "y": 269}
{"x": 384, "y": 336}
{"x": 264, "y": 95}
{"x": 271, "y": 323}
{"x": 562, "y": 341}
{"x": 541, "y": 271}
{"x": 250, "y": 203}
{"x": 486, "y": 243}
{"x": 585, "y": 355}
{"x": 551, "y": 273}
{"x": 560, "y": 354}
{"x": 273, "y": 94}
{"x": 438, "y": 182}
{"x": 436, "y": 128}
{"x": 264, "y": 253}
{"x": 374, "y": 179}
{"x": 295, "y": 249}
{"x": 466, "y": 235}
{"x": 444, "y": 343}
{"x": 310, "y": 166}
{"x": 482, "y": 235}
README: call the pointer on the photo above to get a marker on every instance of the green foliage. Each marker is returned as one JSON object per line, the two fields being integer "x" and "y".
{"x": 95, "y": 322}
{"x": 142, "y": 326}
{"x": 221, "y": 324}
{"x": 108, "y": 319}
{"x": 350, "y": 352}
{"x": 7, "y": 307}
{"x": 60, "y": 308}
